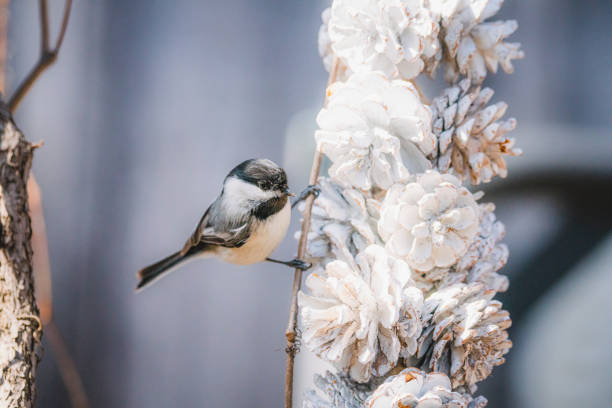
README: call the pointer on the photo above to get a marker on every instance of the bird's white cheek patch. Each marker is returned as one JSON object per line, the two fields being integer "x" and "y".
{"x": 239, "y": 190}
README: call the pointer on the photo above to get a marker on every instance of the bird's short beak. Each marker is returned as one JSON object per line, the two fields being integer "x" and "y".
{"x": 289, "y": 193}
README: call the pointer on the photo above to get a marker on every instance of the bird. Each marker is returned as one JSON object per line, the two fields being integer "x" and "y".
{"x": 245, "y": 223}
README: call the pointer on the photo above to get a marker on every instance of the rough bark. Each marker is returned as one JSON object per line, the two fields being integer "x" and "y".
{"x": 20, "y": 325}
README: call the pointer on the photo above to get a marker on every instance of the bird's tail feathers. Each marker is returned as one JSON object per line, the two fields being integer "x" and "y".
{"x": 158, "y": 270}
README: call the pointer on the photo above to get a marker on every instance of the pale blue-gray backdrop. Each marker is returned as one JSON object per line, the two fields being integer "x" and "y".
{"x": 150, "y": 104}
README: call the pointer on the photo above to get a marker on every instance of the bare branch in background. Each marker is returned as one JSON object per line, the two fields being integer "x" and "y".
{"x": 290, "y": 333}
{"x": 20, "y": 325}
{"x": 47, "y": 55}
{"x": 44, "y": 298}
{"x": 40, "y": 261}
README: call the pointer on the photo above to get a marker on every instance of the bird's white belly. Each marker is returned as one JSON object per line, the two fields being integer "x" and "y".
{"x": 265, "y": 237}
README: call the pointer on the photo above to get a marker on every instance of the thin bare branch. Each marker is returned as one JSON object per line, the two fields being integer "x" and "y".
{"x": 44, "y": 25}
{"x": 62, "y": 33}
{"x": 291, "y": 330}
{"x": 47, "y": 55}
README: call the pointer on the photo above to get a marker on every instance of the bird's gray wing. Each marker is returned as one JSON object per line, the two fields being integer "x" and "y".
{"x": 215, "y": 231}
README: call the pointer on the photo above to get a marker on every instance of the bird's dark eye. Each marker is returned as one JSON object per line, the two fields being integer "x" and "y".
{"x": 264, "y": 185}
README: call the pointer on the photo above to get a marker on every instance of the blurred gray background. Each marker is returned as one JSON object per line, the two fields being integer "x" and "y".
{"x": 152, "y": 102}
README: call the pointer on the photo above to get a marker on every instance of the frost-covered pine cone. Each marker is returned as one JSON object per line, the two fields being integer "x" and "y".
{"x": 396, "y": 37}
{"x": 472, "y": 46}
{"x": 325, "y": 50}
{"x": 487, "y": 254}
{"x": 465, "y": 334}
{"x": 375, "y": 131}
{"x": 471, "y": 137}
{"x": 362, "y": 320}
{"x": 430, "y": 222}
{"x": 415, "y": 388}
{"x": 342, "y": 223}
{"x": 483, "y": 259}
{"x": 339, "y": 391}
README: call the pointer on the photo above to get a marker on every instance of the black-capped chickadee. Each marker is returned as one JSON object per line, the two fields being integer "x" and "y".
{"x": 243, "y": 225}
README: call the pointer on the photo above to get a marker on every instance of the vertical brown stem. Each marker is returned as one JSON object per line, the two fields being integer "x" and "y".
{"x": 290, "y": 332}
{"x": 40, "y": 261}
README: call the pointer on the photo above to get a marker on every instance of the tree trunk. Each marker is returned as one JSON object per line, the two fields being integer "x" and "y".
{"x": 20, "y": 325}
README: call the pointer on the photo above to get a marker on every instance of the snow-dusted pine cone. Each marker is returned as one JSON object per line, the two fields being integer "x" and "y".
{"x": 471, "y": 137}
{"x": 343, "y": 223}
{"x": 396, "y": 37}
{"x": 487, "y": 254}
{"x": 472, "y": 46}
{"x": 325, "y": 50}
{"x": 430, "y": 222}
{"x": 339, "y": 391}
{"x": 483, "y": 259}
{"x": 465, "y": 334}
{"x": 362, "y": 320}
{"x": 415, "y": 388}
{"x": 375, "y": 131}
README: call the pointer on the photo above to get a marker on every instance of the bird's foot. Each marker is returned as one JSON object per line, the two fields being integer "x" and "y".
{"x": 299, "y": 264}
{"x": 312, "y": 189}
{"x": 294, "y": 263}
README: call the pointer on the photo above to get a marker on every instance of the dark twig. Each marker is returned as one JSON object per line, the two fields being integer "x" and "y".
{"x": 44, "y": 25}
{"x": 291, "y": 332}
{"x": 47, "y": 55}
